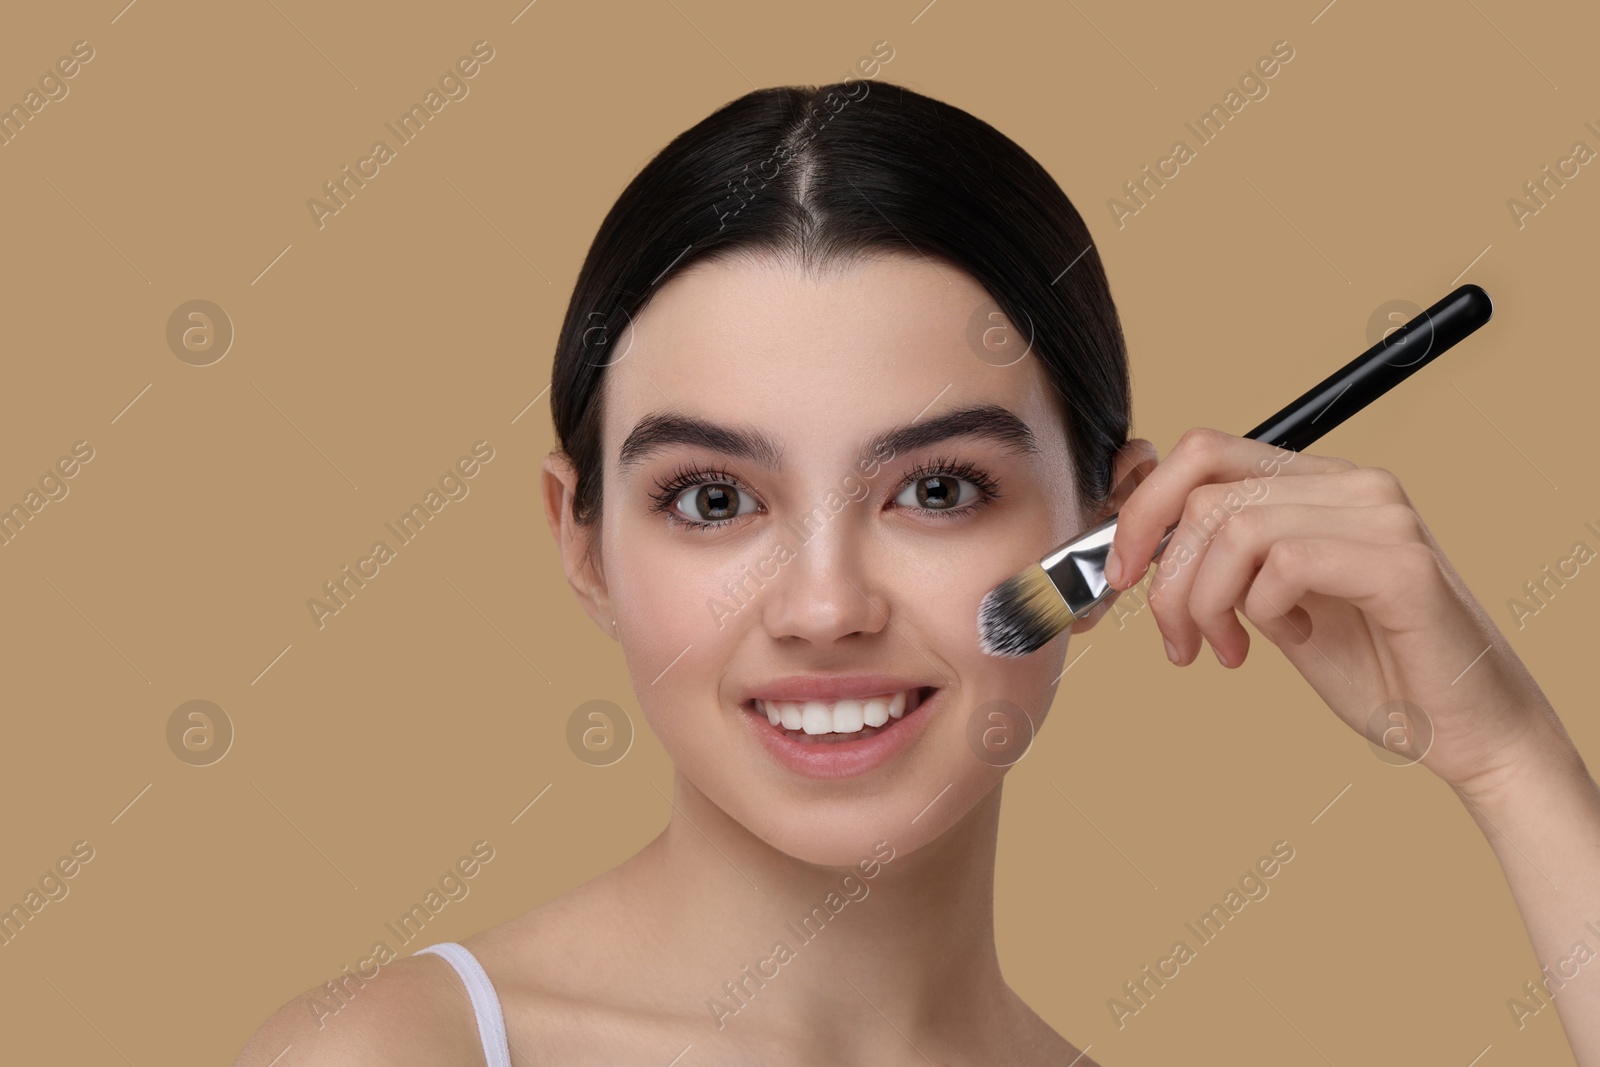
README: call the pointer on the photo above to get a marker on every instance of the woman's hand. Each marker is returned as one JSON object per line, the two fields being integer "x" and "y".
{"x": 1331, "y": 562}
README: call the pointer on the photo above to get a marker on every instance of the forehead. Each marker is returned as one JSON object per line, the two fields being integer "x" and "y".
{"x": 824, "y": 359}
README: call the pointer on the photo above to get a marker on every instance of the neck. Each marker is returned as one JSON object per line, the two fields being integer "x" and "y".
{"x": 762, "y": 941}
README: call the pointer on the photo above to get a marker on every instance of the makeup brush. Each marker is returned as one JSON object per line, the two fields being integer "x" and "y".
{"x": 1028, "y": 609}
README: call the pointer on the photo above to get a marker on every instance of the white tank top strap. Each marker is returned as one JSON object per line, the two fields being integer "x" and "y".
{"x": 485, "y": 1002}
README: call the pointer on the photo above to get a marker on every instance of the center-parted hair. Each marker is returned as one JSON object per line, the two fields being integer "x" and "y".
{"x": 820, "y": 175}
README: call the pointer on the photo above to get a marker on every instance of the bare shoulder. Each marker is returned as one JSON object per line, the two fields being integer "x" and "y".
{"x": 555, "y": 970}
{"x": 569, "y": 947}
{"x": 573, "y": 986}
{"x": 413, "y": 1011}
{"x": 1036, "y": 1041}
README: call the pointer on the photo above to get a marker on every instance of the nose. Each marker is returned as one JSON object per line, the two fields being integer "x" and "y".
{"x": 828, "y": 589}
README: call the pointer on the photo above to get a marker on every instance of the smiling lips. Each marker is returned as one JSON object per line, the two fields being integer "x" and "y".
{"x": 824, "y": 722}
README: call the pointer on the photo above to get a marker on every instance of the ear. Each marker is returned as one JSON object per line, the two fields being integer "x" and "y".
{"x": 1131, "y": 465}
{"x": 578, "y": 544}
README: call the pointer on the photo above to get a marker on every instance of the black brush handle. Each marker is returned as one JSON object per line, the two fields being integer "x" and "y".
{"x": 1077, "y": 568}
{"x": 1377, "y": 370}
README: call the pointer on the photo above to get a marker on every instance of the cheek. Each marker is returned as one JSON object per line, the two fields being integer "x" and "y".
{"x": 677, "y": 593}
{"x": 942, "y": 594}
{"x": 676, "y": 619}
{"x": 939, "y": 597}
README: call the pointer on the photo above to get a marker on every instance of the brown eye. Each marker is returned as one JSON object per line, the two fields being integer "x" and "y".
{"x": 935, "y": 492}
{"x": 713, "y": 502}
{"x": 717, "y": 501}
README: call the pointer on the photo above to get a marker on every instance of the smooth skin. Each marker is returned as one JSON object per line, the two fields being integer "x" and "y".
{"x": 1336, "y": 568}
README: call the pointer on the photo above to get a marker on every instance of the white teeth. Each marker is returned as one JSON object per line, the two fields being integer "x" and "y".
{"x": 816, "y": 718}
{"x": 847, "y": 717}
{"x": 843, "y": 717}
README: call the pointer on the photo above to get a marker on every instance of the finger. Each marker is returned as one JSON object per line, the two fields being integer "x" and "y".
{"x": 1200, "y": 456}
{"x": 1390, "y": 583}
{"x": 1218, "y": 501}
{"x": 1199, "y": 600}
{"x": 1212, "y": 507}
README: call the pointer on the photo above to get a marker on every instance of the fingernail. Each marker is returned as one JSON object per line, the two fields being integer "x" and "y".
{"x": 1113, "y": 567}
{"x": 1172, "y": 653}
{"x": 1220, "y": 658}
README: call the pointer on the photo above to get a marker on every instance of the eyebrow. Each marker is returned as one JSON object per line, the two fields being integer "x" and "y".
{"x": 661, "y": 430}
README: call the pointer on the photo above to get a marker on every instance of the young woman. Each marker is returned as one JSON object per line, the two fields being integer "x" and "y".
{"x": 841, "y": 360}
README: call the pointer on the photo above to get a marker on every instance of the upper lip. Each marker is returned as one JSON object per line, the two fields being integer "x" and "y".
{"x": 832, "y": 687}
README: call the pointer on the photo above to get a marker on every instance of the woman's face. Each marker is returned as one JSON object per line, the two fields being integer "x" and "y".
{"x": 814, "y": 558}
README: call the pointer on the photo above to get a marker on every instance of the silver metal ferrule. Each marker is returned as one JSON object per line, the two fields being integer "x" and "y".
{"x": 1078, "y": 568}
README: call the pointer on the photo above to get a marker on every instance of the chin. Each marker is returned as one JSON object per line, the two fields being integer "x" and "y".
{"x": 842, "y": 835}
{"x": 829, "y": 847}
{"x": 840, "y": 825}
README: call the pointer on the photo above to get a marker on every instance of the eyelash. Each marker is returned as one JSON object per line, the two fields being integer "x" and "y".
{"x": 690, "y": 476}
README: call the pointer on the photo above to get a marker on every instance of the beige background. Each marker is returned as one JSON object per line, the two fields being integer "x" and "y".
{"x": 371, "y": 353}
